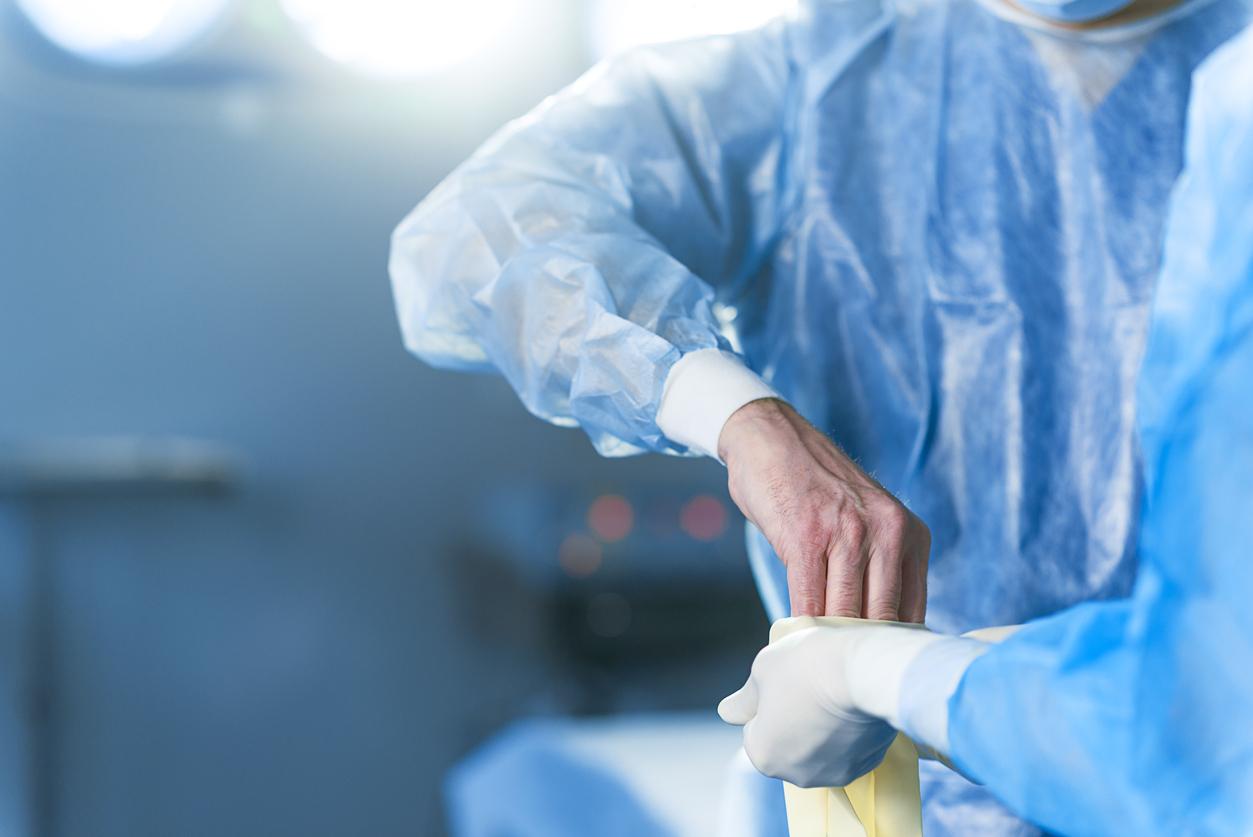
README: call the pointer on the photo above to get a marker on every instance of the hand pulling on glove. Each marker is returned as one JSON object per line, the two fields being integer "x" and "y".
{"x": 820, "y": 705}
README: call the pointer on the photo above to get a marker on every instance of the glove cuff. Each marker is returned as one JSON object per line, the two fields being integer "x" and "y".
{"x": 929, "y": 681}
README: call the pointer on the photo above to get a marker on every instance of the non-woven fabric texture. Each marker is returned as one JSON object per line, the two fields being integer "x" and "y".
{"x": 1134, "y": 716}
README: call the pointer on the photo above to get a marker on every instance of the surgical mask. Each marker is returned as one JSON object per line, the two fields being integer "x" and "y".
{"x": 1074, "y": 11}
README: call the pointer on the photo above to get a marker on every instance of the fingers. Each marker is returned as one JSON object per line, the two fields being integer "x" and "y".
{"x": 914, "y": 573}
{"x": 846, "y": 567}
{"x": 883, "y": 585}
{"x": 888, "y": 557}
{"x": 739, "y": 707}
{"x": 896, "y": 575}
{"x": 914, "y": 591}
{"x": 806, "y": 583}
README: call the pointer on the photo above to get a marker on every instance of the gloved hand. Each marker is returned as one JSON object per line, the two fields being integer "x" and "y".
{"x": 820, "y": 705}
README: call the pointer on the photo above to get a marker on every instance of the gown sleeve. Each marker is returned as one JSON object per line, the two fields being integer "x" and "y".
{"x": 579, "y": 249}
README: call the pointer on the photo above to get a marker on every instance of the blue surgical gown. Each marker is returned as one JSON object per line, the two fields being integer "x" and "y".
{"x": 1136, "y": 717}
{"x": 932, "y": 230}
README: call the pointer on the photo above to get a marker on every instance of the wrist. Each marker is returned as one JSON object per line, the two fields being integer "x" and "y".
{"x": 927, "y": 686}
{"x": 755, "y": 421}
{"x": 875, "y": 668}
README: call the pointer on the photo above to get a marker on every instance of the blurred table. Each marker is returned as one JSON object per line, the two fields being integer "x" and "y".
{"x": 638, "y": 776}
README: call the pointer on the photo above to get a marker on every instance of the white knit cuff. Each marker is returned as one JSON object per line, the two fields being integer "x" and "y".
{"x": 701, "y": 392}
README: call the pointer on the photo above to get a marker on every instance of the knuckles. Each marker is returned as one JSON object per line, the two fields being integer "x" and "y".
{"x": 813, "y": 533}
{"x": 899, "y": 529}
{"x": 816, "y": 518}
{"x": 851, "y": 533}
{"x": 894, "y": 519}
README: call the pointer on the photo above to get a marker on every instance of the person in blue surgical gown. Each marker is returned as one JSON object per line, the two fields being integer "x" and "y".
{"x": 889, "y": 261}
{"x": 1132, "y": 716}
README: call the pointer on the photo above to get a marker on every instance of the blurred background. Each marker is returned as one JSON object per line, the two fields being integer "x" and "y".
{"x": 260, "y": 571}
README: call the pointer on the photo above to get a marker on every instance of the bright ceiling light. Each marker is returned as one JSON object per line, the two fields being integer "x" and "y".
{"x": 123, "y": 31}
{"x": 621, "y": 24}
{"x": 397, "y": 38}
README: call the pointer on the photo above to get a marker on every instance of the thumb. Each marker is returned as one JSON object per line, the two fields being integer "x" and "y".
{"x": 739, "y": 707}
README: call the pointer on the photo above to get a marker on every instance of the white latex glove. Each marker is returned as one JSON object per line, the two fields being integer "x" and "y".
{"x": 820, "y": 705}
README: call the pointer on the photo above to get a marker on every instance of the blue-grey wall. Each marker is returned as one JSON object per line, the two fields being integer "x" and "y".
{"x": 202, "y": 254}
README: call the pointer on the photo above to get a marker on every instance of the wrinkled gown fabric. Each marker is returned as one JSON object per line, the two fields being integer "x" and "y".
{"x": 934, "y": 231}
{"x": 1136, "y": 717}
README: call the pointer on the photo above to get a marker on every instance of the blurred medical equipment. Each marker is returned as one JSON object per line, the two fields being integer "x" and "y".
{"x": 1132, "y": 716}
{"x": 605, "y": 583}
{"x": 719, "y": 193}
{"x": 37, "y": 474}
{"x": 118, "y": 465}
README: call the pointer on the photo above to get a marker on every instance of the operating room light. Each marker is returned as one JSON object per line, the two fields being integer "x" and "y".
{"x": 122, "y": 31}
{"x": 621, "y": 24}
{"x": 399, "y": 38}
